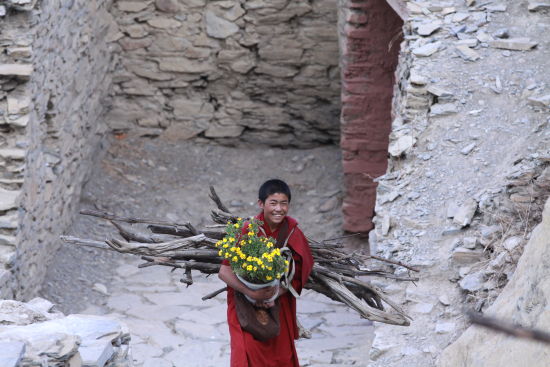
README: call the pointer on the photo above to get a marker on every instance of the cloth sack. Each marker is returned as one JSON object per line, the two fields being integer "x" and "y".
{"x": 262, "y": 323}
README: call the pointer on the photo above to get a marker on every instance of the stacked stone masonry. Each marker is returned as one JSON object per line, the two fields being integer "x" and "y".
{"x": 259, "y": 72}
{"x": 53, "y": 78}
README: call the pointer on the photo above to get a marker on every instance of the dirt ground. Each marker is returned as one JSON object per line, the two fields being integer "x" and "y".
{"x": 157, "y": 179}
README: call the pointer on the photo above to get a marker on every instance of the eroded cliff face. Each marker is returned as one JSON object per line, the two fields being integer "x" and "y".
{"x": 524, "y": 301}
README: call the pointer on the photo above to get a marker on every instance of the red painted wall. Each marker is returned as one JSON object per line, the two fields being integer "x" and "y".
{"x": 369, "y": 52}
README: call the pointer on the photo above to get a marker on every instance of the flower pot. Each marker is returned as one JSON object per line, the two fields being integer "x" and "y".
{"x": 255, "y": 286}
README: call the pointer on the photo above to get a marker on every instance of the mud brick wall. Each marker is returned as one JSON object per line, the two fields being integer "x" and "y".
{"x": 370, "y": 35}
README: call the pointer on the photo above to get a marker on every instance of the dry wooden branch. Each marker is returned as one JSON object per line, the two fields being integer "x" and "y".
{"x": 130, "y": 235}
{"x": 508, "y": 328}
{"x": 335, "y": 273}
{"x": 110, "y": 216}
{"x": 214, "y": 294}
{"x": 84, "y": 242}
{"x": 180, "y": 232}
{"x": 216, "y": 199}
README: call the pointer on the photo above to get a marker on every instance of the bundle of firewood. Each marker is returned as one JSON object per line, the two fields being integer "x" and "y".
{"x": 337, "y": 273}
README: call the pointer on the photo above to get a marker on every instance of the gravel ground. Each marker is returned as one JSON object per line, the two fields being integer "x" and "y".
{"x": 157, "y": 179}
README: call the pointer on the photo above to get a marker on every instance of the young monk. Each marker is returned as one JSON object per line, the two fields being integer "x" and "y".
{"x": 274, "y": 201}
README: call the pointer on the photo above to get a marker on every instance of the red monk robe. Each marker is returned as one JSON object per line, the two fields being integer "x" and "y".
{"x": 279, "y": 351}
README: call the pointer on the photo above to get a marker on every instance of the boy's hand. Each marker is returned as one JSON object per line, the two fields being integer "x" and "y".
{"x": 264, "y": 304}
{"x": 260, "y": 295}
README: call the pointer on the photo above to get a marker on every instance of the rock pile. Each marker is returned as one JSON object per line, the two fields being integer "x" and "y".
{"x": 32, "y": 335}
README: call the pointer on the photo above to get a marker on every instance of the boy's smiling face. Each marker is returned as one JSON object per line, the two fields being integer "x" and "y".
{"x": 275, "y": 208}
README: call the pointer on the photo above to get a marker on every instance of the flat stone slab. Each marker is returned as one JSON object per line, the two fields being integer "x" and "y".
{"x": 16, "y": 69}
{"x": 156, "y": 312}
{"x": 204, "y": 354}
{"x": 191, "y": 298}
{"x": 209, "y": 316}
{"x": 96, "y": 354}
{"x": 515, "y": 44}
{"x": 338, "y": 319}
{"x": 12, "y": 352}
{"x": 204, "y": 332}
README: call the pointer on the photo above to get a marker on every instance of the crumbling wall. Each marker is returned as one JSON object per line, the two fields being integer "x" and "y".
{"x": 263, "y": 72}
{"x": 54, "y": 76}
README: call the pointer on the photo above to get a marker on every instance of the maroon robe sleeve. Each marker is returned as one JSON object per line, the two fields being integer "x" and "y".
{"x": 303, "y": 260}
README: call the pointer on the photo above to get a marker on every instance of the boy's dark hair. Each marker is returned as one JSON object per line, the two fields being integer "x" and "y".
{"x": 271, "y": 187}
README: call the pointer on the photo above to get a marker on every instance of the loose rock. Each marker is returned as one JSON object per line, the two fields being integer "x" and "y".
{"x": 516, "y": 44}
{"x": 465, "y": 213}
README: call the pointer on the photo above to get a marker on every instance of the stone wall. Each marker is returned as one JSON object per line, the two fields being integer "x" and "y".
{"x": 258, "y": 71}
{"x": 54, "y": 75}
{"x": 370, "y": 33}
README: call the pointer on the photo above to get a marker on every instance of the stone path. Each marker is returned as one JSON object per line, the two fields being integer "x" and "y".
{"x": 171, "y": 326}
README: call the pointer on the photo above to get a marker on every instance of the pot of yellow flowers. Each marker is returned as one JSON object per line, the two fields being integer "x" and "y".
{"x": 255, "y": 260}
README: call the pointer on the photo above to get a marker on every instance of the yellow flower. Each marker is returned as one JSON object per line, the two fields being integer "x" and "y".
{"x": 225, "y": 246}
{"x": 236, "y": 225}
{"x": 231, "y": 239}
{"x": 220, "y": 253}
{"x": 233, "y": 249}
{"x": 249, "y": 267}
{"x": 250, "y": 226}
{"x": 250, "y": 233}
{"x": 249, "y": 259}
{"x": 242, "y": 256}
{"x": 218, "y": 243}
{"x": 268, "y": 277}
{"x": 225, "y": 239}
{"x": 249, "y": 241}
{"x": 235, "y": 259}
{"x": 255, "y": 268}
{"x": 269, "y": 268}
{"x": 244, "y": 265}
{"x": 227, "y": 255}
{"x": 263, "y": 267}
{"x": 260, "y": 262}
{"x": 286, "y": 262}
{"x": 278, "y": 275}
{"x": 269, "y": 245}
{"x": 239, "y": 219}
